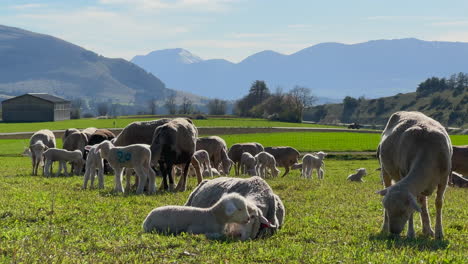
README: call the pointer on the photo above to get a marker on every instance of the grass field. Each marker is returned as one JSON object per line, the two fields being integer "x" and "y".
{"x": 122, "y": 122}
{"x": 329, "y": 221}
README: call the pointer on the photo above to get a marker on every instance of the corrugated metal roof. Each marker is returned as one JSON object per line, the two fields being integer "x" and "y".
{"x": 44, "y": 96}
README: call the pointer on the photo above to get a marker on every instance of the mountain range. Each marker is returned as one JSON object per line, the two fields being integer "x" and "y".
{"x": 333, "y": 70}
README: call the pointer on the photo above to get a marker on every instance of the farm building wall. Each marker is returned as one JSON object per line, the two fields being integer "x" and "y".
{"x": 33, "y": 109}
{"x": 62, "y": 111}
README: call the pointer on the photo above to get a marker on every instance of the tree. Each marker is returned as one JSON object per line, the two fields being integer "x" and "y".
{"x": 349, "y": 106}
{"x": 217, "y": 107}
{"x": 186, "y": 107}
{"x": 258, "y": 93}
{"x": 76, "y": 105}
{"x": 300, "y": 99}
{"x": 170, "y": 104}
{"x": 152, "y": 106}
{"x": 102, "y": 108}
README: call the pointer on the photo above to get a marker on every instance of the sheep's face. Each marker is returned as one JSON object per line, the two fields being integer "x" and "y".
{"x": 38, "y": 150}
{"x": 296, "y": 166}
{"x": 236, "y": 210}
{"x": 227, "y": 164}
{"x": 321, "y": 155}
{"x": 27, "y": 152}
{"x": 275, "y": 172}
{"x": 246, "y": 231}
{"x": 399, "y": 205}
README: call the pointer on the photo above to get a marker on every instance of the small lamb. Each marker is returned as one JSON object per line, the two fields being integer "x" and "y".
{"x": 94, "y": 162}
{"x": 311, "y": 162}
{"x": 264, "y": 161}
{"x": 203, "y": 158}
{"x": 63, "y": 156}
{"x": 361, "y": 172}
{"x": 231, "y": 208}
{"x": 247, "y": 164}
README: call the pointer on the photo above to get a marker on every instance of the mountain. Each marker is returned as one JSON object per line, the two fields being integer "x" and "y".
{"x": 333, "y": 70}
{"x": 32, "y": 62}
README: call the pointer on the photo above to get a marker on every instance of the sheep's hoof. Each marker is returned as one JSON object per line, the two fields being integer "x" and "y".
{"x": 439, "y": 235}
{"x": 428, "y": 232}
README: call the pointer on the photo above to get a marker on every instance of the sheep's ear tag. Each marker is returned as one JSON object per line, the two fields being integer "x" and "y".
{"x": 230, "y": 208}
{"x": 382, "y": 192}
{"x": 88, "y": 147}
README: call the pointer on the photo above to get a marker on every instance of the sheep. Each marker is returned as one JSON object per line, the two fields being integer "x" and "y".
{"x": 62, "y": 156}
{"x": 135, "y": 156}
{"x": 236, "y": 150}
{"x": 456, "y": 179}
{"x": 76, "y": 140}
{"x": 68, "y": 132}
{"x": 174, "y": 143}
{"x": 255, "y": 190}
{"x": 217, "y": 149}
{"x": 460, "y": 159}
{"x": 415, "y": 153}
{"x": 264, "y": 161}
{"x": 284, "y": 156}
{"x": 94, "y": 162}
{"x": 139, "y": 132}
{"x": 203, "y": 159}
{"x": 88, "y": 131}
{"x": 99, "y": 136}
{"x": 247, "y": 164}
{"x": 231, "y": 208}
{"x": 39, "y": 142}
{"x": 311, "y": 162}
{"x": 213, "y": 172}
{"x": 361, "y": 172}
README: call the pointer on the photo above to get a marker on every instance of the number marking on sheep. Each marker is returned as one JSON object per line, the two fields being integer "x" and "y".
{"x": 123, "y": 156}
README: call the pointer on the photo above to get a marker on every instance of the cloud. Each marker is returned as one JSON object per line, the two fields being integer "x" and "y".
{"x": 27, "y": 6}
{"x": 457, "y": 36}
{"x": 451, "y": 23}
{"x": 154, "y": 5}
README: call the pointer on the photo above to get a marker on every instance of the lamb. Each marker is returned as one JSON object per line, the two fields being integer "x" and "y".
{"x": 255, "y": 190}
{"x": 203, "y": 159}
{"x": 39, "y": 142}
{"x": 174, "y": 143}
{"x": 135, "y": 156}
{"x": 247, "y": 164}
{"x": 415, "y": 153}
{"x": 460, "y": 159}
{"x": 213, "y": 172}
{"x": 263, "y": 162}
{"x": 62, "y": 156}
{"x": 458, "y": 180}
{"x": 236, "y": 150}
{"x": 361, "y": 172}
{"x": 94, "y": 162}
{"x": 284, "y": 156}
{"x": 76, "y": 141}
{"x": 313, "y": 162}
{"x": 231, "y": 208}
{"x": 139, "y": 132}
{"x": 217, "y": 149}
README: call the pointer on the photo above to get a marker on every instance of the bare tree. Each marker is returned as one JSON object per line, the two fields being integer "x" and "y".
{"x": 186, "y": 107}
{"x": 300, "y": 99}
{"x": 170, "y": 104}
{"x": 217, "y": 107}
{"x": 152, "y": 106}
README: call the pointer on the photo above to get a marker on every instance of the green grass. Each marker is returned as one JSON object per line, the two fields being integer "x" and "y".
{"x": 328, "y": 221}
{"x": 122, "y": 122}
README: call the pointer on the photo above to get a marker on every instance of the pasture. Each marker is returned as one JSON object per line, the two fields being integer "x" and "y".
{"x": 329, "y": 221}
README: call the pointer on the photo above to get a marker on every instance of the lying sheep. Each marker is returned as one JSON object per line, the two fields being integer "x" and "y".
{"x": 39, "y": 142}
{"x": 203, "y": 159}
{"x": 213, "y": 172}
{"x": 100, "y": 135}
{"x": 236, "y": 150}
{"x": 136, "y": 157}
{"x": 263, "y": 162}
{"x": 255, "y": 190}
{"x": 285, "y": 157}
{"x": 247, "y": 164}
{"x": 313, "y": 162}
{"x": 63, "y": 156}
{"x": 415, "y": 153}
{"x": 231, "y": 208}
{"x": 361, "y": 172}
{"x": 456, "y": 179}
{"x": 94, "y": 162}
{"x": 217, "y": 149}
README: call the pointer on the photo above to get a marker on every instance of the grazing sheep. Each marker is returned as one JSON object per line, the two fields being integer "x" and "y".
{"x": 460, "y": 159}
{"x": 94, "y": 162}
{"x": 39, "y": 142}
{"x": 100, "y": 135}
{"x": 361, "y": 172}
{"x": 62, "y": 156}
{"x": 236, "y": 150}
{"x": 76, "y": 141}
{"x": 456, "y": 179}
{"x": 139, "y": 132}
{"x": 415, "y": 153}
{"x": 254, "y": 189}
{"x": 88, "y": 131}
{"x": 247, "y": 164}
{"x": 217, "y": 149}
{"x": 313, "y": 162}
{"x": 265, "y": 161}
{"x": 209, "y": 221}
{"x": 203, "y": 159}
{"x": 213, "y": 172}
{"x": 174, "y": 143}
{"x": 284, "y": 156}
{"x": 135, "y": 156}
{"x": 68, "y": 132}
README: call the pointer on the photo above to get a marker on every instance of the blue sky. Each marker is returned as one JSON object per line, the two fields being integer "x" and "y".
{"x": 233, "y": 29}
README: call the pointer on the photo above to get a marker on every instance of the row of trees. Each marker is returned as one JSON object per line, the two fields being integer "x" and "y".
{"x": 457, "y": 83}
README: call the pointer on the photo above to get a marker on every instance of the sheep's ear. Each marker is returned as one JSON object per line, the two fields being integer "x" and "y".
{"x": 265, "y": 221}
{"x": 382, "y": 192}
{"x": 413, "y": 203}
{"x": 230, "y": 208}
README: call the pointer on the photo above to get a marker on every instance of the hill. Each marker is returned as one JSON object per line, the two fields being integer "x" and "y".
{"x": 445, "y": 100}
{"x": 375, "y": 68}
{"x": 32, "y": 62}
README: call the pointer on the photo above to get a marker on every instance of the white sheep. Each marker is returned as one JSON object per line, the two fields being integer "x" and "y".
{"x": 62, "y": 156}
{"x": 265, "y": 161}
{"x": 247, "y": 164}
{"x": 94, "y": 162}
{"x": 313, "y": 162}
{"x": 137, "y": 157}
{"x": 361, "y": 172}
{"x": 209, "y": 221}
{"x": 39, "y": 142}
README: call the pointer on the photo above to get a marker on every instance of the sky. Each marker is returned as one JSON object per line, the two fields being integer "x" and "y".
{"x": 233, "y": 29}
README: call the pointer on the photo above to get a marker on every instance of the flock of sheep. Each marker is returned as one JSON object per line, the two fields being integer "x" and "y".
{"x": 415, "y": 154}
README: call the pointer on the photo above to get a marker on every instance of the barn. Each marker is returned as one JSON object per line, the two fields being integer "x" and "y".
{"x": 35, "y": 107}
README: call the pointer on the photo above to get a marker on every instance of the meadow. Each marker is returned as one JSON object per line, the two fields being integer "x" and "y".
{"x": 53, "y": 220}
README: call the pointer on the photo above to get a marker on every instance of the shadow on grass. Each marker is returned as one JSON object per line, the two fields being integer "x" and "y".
{"x": 112, "y": 193}
{"x": 422, "y": 243}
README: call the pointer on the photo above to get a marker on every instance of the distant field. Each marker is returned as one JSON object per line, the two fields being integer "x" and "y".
{"x": 122, "y": 122}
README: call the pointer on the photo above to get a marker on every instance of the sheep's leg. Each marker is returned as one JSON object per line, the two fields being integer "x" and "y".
{"x": 47, "y": 166}
{"x": 286, "y": 171}
{"x": 387, "y": 182}
{"x": 64, "y": 164}
{"x": 152, "y": 180}
{"x": 118, "y": 180}
{"x": 236, "y": 168}
{"x": 439, "y": 233}
{"x": 140, "y": 172}
{"x": 162, "y": 167}
{"x": 33, "y": 158}
{"x": 86, "y": 178}
{"x": 182, "y": 185}
{"x": 410, "y": 234}
{"x": 128, "y": 176}
{"x": 425, "y": 219}
{"x": 100, "y": 174}
{"x": 209, "y": 168}
{"x": 198, "y": 171}
{"x": 59, "y": 170}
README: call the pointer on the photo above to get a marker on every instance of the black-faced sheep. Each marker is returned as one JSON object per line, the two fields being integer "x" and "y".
{"x": 236, "y": 150}
{"x": 415, "y": 152}
{"x": 285, "y": 156}
{"x": 39, "y": 142}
